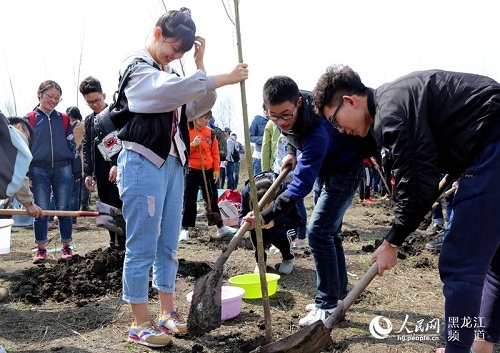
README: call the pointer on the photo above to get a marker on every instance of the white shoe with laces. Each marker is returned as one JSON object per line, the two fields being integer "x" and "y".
{"x": 225, "y": 230}
{"x": 314, "y": 315}
{"x": 184, "y": 235}
{"x": 310, "y": 306}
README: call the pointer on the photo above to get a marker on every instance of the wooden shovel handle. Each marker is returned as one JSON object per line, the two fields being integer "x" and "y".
{"x": 354, "y": 294}
{"x": 12, "y": 212}
{"x": 244, "y": 227}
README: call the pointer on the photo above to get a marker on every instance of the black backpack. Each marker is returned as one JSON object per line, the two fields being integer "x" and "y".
{"x": 235, "y": 154}
{"x": 221, "y": 139}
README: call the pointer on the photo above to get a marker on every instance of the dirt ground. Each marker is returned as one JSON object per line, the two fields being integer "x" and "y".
{"x": 76, "y": 306}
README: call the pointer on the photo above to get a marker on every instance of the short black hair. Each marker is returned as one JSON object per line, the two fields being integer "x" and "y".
{"x": 90, "y": 85}
{"x": 13, "y": 120}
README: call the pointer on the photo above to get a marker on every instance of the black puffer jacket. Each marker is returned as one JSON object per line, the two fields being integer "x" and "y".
{"x": 431, "y": 121}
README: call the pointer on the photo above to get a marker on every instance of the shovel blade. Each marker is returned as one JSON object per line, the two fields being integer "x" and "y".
{"x": 110, "y": 218}
{"x": 205, "y": 309}
{"x": 311, "y": 339}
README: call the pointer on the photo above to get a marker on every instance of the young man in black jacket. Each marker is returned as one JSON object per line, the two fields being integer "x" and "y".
{"x": 436, "y": 121}
{"x": 94, "y": 164}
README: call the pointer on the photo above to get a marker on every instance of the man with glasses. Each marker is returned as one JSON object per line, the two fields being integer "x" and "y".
{"x": 431, "y": 122}
{"x": 332, "y": 159}
{"x": 94, "y": 164}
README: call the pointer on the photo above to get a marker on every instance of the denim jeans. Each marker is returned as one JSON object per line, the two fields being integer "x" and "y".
{"x": 236, "y": 171}
{"x": 60, "y": 181}
{"x": 230, "y": 175}
{"x": 325, "y": 241}
{"x": 469, "y": 263}
{"x": 257, "y": 167}
{"x": 302, "y": 230}
{"x": 152, "y": 209}
{"x": 74, "y": 204}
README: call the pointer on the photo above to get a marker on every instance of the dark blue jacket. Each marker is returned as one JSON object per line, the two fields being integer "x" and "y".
{"x": 52, "y": 146}
{"x": 324, "y": 151}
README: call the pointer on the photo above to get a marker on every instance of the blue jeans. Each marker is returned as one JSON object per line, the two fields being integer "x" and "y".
{"x": 437, "y": 213}
{"x": 152, "y": 209}
{"x": 75, "y": 197}
{"x": 257, "y": 167}
{"x": 302, "y": 230}
{"x": 236, "y": 170}
{"x": 469, "y": 263}
{"x": 325, "y": 240}
{"x": 60, "y": 180}
{"x": 230, "y": 175}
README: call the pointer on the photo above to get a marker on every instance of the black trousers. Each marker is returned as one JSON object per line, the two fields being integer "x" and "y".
{"x": 194, "y": 181}
{"x": 279, "y": 237}
{"x": 108, "y": 193}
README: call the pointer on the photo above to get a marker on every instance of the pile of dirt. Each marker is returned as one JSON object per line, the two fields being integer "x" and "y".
{"x": 82, "y": 279}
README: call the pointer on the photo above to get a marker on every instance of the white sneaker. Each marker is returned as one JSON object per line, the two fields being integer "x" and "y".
{"x": 299, "y": 244}
{"x": 286, "y": 267}
{"x": 184, "y": 236}
{"x": 225, "y": 230}
{"x": 314, "y": 315}
{"x": 273, "y": 250}
{"x": 310, "y": 306}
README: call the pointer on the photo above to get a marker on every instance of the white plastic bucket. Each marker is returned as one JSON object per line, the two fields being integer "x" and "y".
{"x": 21, "y": 220}
{"x": 5, "y": 231}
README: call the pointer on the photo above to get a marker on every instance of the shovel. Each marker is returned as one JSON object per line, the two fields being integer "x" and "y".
{"x": 107, "y": 216}
{"x": 205, "y": 309}
{"x": 314, "y": 338}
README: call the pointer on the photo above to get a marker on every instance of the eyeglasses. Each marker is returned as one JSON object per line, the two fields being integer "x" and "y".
{"x": 285, "y": 117}
{"x": 333, "y": 118}
{"x": 94, "y": 102}
{"x": 52, "y": 98}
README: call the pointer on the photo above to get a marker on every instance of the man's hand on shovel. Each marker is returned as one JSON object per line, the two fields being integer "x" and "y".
{"x": 386, "y": 256}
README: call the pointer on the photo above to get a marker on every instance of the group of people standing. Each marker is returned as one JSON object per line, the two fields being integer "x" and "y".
{"x": 430, "y": 122}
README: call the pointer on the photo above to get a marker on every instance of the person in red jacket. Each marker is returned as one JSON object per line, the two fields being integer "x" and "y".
{"x": 204, "y": 148}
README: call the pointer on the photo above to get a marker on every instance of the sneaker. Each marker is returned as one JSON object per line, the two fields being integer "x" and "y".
{"x": 299, "y": 244}
{"x": 314, "y": 315}
{"x": 368, "y": 201}
{"x": 66, "y": 253}
{"x": 172, "y": 323}
{"x": 147, "y": 335}
{"x": 40, "y": 256}
{"x": 435, "y": 245}
{"x": 436, "y": 229}
{"x": 184, "y": 236}
{"x": 225, "y": 230}
{"x": 286, "y": 267}
{"x": 273, "y": 250}
{"x": 310, "y": 306}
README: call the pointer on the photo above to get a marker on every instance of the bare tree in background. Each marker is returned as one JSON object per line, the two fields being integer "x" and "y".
{"x": 10, "y": 105}
{"x": 79, "y": 67}
{"x": 225, "y": 108}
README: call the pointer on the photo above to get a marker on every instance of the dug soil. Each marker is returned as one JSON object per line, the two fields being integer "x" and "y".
{"x": 75, "y": 306}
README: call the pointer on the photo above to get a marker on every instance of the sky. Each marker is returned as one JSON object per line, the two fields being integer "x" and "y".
{"x": 381, "y": 40}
